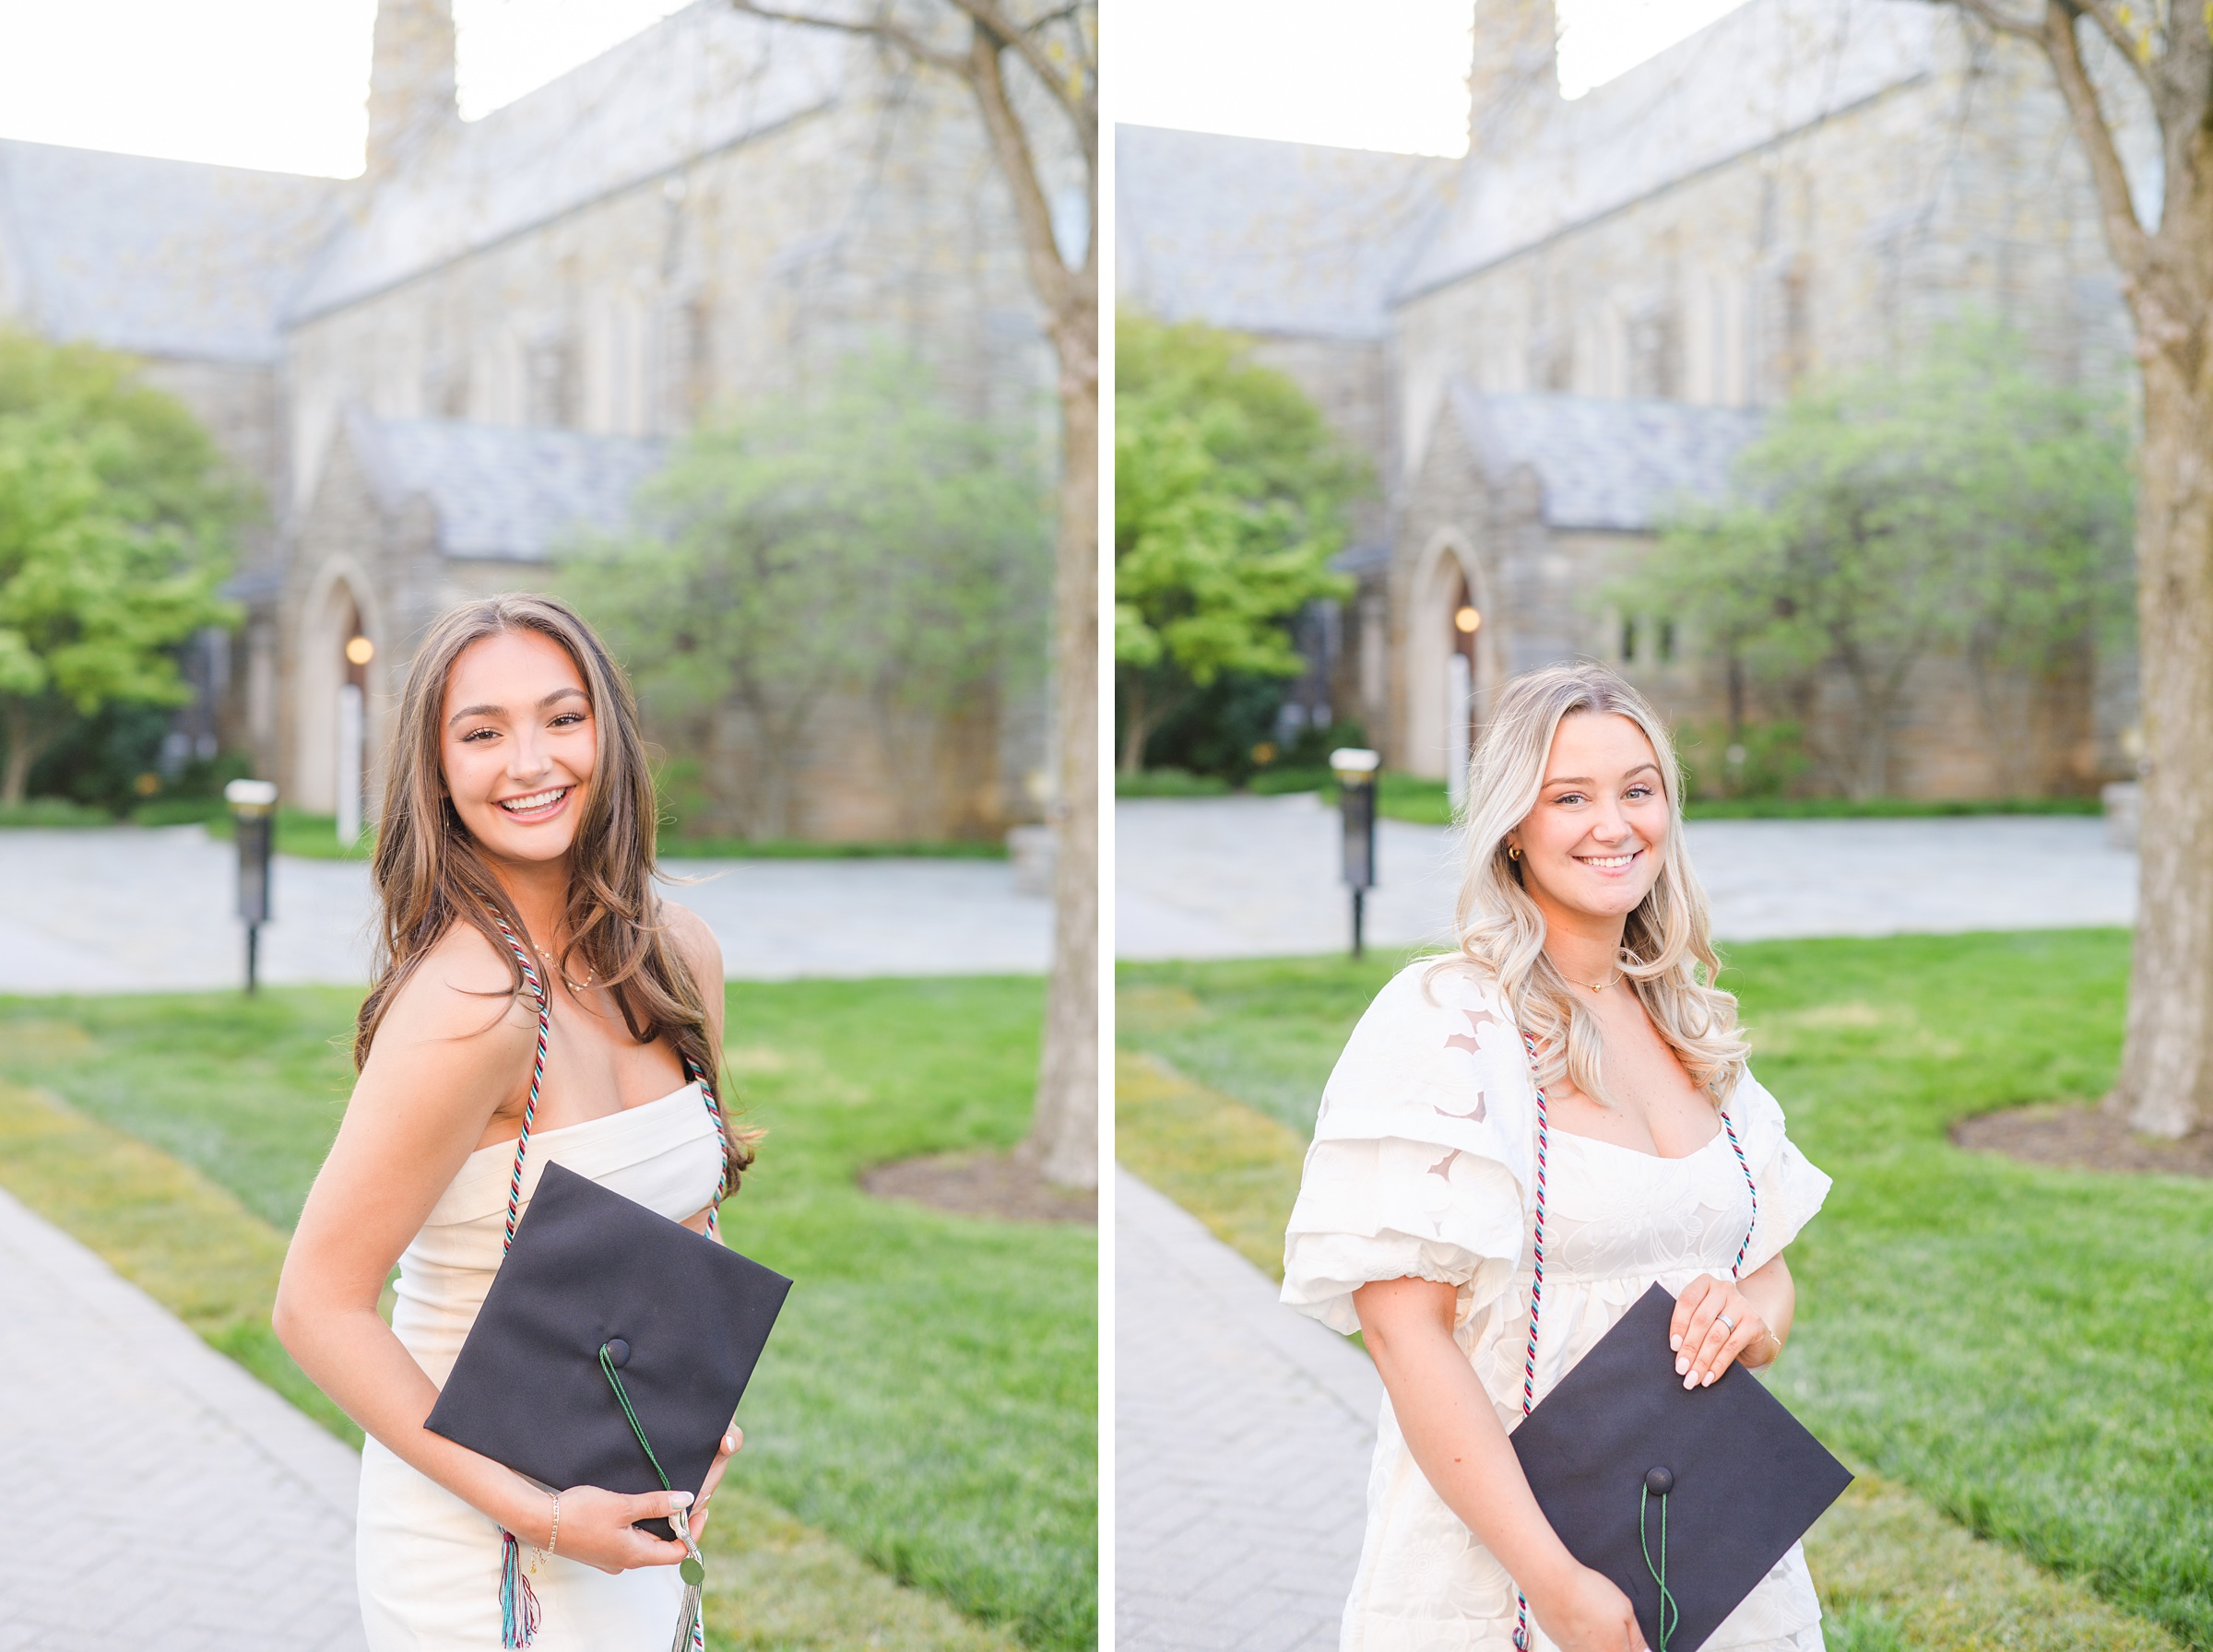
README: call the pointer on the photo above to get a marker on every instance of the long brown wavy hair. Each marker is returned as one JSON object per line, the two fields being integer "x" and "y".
{"x": 431, "y": 873}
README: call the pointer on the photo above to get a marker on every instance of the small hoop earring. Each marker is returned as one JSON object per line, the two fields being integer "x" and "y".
{"x": 1513, "y": 851}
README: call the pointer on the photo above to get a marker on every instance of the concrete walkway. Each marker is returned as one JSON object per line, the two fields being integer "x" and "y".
{"x": 157, "y": 1496}
{"x": 1242, "y": 1436}
{"x": 1258, "y": 877}
{"x": 124, "y": 910}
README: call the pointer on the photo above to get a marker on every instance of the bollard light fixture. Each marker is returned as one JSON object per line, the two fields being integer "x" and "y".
{"x": 253, "y": 812}
{"x": 1356, "y": 768}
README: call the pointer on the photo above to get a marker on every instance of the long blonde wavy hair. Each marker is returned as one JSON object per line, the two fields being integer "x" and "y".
{"x": 1667, "y": 949}
{"x": 430, "y": 874}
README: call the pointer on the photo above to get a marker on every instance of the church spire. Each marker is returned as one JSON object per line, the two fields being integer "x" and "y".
{"x": 1513, "y": 75}
{"x": 411, "y": 80}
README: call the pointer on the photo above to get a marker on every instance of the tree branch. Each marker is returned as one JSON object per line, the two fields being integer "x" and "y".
{"x": 1995, "y": 16}
{"x": 904, "y": 39}
{"x": 2107, "y": 16}
{"x": 990, "y": 33}
{"x": 2124, "y": 231}
{"x": 1011, "y": 144}
{"x": 1999, "y": 20}
{"x": 1081, "y": 107}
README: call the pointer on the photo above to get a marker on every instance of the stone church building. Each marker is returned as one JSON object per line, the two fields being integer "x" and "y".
{"x": 438, "y": 371}
{"x": 1544, "y": 346}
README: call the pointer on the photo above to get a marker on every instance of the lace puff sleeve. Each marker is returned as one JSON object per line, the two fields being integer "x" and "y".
{"x": 1423, "y": 1155}
{"x": 1791, "y": 1188}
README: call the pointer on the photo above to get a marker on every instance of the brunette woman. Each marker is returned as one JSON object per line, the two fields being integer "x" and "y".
{"x": 535, "y": 1000}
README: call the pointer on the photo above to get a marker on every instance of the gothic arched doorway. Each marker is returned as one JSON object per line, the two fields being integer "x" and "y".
{"x": 1451, "y": 666}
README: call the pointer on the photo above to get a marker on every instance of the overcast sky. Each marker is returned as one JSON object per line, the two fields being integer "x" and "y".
{"x": 275, "y": 84}
{"x": 279, "y": 84}
{"x": 1365, "y": 74}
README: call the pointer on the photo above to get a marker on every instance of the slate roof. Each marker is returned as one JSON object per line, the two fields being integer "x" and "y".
{"x": 501, "y": 493}
{"x": 1268, "y": 237}
{"x": 1604, "y": 464}
{"x": 698, "y": 81}
{"x": 159, "y": 258}
{"x": 1768, "y": 69}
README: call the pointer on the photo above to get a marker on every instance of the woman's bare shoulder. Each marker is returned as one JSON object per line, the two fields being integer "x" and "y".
{"x": 462, "y": 991}
{"x": 694, "y": 942}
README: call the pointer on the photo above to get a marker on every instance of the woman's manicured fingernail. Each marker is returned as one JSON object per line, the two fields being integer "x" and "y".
{"x": 730, "y": 1441}
{"x": 681, "y": 1499}
{"x": 1690, "y": 1381}
{"x": 1675, "y": 1344}
{"x": 1681, "y": 1366}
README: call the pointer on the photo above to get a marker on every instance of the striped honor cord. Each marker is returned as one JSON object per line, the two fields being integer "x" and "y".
{"x": 1536, "y": 1300}
{"x": 1736, "y": 1268}
{"x": 722, "y": 1183}
{"x": 537, "y": 1074}
{"x": 1536, "y": 1289}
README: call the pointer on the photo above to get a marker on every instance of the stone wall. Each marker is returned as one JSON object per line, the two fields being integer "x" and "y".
{"x": 1953, "y": 192}
{"x": 1836, "y": 246}
{"x": 878, "y": 221}
{"x": 1349, "y": 381}
{"x": 1956, "y": 732}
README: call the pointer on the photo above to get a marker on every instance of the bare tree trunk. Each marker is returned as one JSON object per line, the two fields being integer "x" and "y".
{"x": 22, "y": 751}
{"x": 1063, "y": 1138}
{"x": 1064, "y": 1133}
{"x": 2166, "y": 1084}
{"x": 2166, "y": 272}
{"x": 1137, "y": 727}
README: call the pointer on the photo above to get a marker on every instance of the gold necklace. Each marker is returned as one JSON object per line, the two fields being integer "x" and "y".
{"x": 575, "y": 987}
{"x": 1601, "y": 985}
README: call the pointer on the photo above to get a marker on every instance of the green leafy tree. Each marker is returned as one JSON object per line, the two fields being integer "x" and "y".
{"x": 1966, "y": 505}
{"x": 1229, "y": 500}
{"x": 862, "y": 540}
{"x": 116, "y": 522}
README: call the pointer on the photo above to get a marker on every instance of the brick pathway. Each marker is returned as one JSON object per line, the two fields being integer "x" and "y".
{"x": 148, "y": 910}
{"x": 1257, "y": 877}
{"x": 157, "y": 1496}
{"x": 1242, "y": 1436}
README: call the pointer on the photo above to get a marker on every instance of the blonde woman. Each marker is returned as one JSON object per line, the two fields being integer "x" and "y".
{"x": 1584, "y": 972}
{"x": 535, "y": 1001}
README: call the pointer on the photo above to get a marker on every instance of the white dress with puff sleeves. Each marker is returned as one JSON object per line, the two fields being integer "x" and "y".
{"x": 1421, "y": 1166}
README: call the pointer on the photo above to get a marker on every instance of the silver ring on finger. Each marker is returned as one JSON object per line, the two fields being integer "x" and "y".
{"x": 1727, "y": 1321}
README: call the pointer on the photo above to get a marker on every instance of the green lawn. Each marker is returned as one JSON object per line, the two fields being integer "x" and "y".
{"x": 2028, "y": 1349}
{"x": 929, "y": 1398}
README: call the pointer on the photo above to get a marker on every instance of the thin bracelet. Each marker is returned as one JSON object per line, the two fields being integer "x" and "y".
{"x": 547, "y": 1552}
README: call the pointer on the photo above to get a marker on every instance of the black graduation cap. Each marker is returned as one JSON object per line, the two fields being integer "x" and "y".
{"x": 1620, "y": 1444}
{"x": 682, "y": 1319}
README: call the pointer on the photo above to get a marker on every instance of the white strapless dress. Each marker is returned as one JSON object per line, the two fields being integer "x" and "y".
{"x": 429, "y": 1564}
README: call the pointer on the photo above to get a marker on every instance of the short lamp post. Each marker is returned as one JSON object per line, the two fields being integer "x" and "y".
{"x": 1356, "y": 772}
{"x": 252, "y": 809}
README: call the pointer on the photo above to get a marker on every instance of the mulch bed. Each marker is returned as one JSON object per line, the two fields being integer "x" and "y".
{"x": 999, "y": 1184}
{"x": 2078, "y": 1138}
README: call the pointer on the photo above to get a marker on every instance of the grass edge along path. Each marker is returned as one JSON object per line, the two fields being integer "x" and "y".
{"x": 929, "y": 1399}
{"x": 781, "y": 1583}
{"x": 1894, "y": 1573}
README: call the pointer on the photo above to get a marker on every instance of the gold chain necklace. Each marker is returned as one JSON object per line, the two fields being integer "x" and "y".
{"x": 575, "y": 987}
